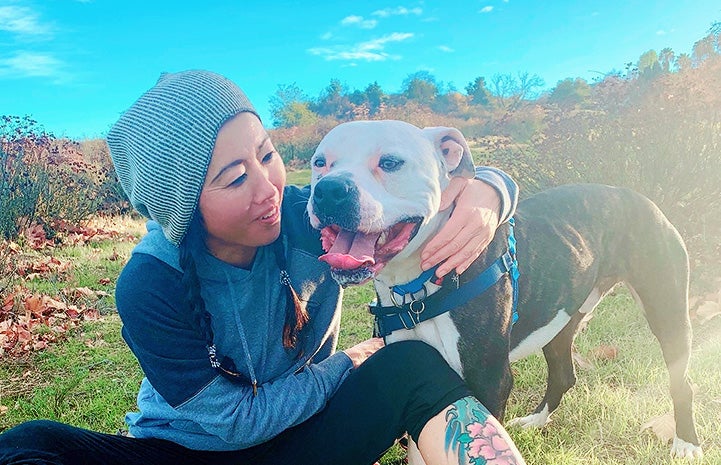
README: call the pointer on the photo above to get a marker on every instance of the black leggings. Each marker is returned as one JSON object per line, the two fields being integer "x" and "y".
{"x": 396, "y": 390}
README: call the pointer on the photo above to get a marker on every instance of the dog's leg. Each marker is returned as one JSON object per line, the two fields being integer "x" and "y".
{"x": 667, "y": 315}
{"x": 660, "y": 285}
{"x": 487, "y": 370}
{"x": 561, "y": 375}
{"x": 494, "y": 388}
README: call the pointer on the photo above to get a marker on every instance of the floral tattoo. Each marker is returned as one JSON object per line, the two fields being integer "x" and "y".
{"x": 471, "y": 432}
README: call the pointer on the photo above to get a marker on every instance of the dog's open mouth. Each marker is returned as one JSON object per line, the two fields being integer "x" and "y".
{"x": 355, "y": 257}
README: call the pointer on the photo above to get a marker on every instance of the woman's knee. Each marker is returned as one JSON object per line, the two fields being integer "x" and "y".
{"x": 412, "y": 356}
{"x": 34, "y": 434}
{"x": 413, "y": 364}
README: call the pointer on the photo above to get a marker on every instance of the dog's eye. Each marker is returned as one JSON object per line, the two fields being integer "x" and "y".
{"x": 390, "y": 164}
{"x": 319, "y": 162}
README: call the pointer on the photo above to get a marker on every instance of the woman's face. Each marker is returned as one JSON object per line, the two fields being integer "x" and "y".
{"x": 243, "y": 190}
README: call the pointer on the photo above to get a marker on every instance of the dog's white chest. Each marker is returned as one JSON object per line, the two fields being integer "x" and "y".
{"x": 439, "y": 332}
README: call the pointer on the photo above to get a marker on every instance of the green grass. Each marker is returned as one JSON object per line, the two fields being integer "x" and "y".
{"x": 298, "y": 177}
{"x": 91, "y": 379}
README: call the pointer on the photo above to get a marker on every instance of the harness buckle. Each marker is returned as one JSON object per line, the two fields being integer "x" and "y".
{"x": 413, "y": 299}
{"x": 406, "y": 324}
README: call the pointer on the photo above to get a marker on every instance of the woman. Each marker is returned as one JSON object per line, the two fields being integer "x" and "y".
{"x": 234, "y": 320}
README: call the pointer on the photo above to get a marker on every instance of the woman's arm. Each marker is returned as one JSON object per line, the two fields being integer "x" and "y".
{"x": 481, "y": 204}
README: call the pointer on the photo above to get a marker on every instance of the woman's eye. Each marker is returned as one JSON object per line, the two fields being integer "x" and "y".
{"x": 268, "y": 157}
{"x": 390, "y": 164}
{"x": 238, "y": 181}
{"x": 319, "y": 162}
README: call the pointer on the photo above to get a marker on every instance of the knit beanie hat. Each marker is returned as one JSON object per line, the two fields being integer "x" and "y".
{"x": 162, "y": 145}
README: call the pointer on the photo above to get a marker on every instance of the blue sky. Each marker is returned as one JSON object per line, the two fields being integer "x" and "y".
{"x": 75, "y": 65}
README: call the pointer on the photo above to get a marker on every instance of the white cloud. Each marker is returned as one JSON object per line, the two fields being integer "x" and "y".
{"x": 327, "y": 36}
{"x": 445, "y": 48}
{"x": 398, "y": 11}
{"x": 371, "y": 50}
{"x": 21, "y": 20}
{"x": 359, "y": 21}
{"x": 486, "y": 9}
{"x": 29, "y": 64}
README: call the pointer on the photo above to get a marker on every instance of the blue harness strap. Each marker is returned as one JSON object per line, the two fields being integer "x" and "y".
{"x": 408, "y": 315}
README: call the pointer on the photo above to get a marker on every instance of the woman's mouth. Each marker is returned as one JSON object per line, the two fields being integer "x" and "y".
{"x": 271, "y": 216}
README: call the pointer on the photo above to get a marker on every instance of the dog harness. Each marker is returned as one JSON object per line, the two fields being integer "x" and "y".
{"x": 408, "y": 311}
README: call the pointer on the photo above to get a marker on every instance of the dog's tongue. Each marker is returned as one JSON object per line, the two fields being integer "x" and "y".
{"x": 351, "y": 250}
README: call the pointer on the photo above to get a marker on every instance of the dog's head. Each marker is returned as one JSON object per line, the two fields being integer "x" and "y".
{"x": 375, "y": 189}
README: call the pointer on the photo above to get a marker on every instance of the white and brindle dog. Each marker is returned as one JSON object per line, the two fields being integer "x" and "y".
{"x": 375, "y": 194}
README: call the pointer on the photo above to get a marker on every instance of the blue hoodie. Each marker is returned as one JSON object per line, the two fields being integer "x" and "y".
{"x": 182, "y": 398}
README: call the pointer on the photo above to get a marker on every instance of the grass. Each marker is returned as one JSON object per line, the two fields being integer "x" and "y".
{"x": 91, "y": 379}
{"x": 298, "y": 177}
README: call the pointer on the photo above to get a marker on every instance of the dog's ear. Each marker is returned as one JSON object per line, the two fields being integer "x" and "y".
{"x": 452, "y": 146}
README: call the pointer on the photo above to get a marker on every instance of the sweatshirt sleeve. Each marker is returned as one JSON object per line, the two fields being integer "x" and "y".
{"x": 238, "y": 417}
{"x": 505, "y": 186}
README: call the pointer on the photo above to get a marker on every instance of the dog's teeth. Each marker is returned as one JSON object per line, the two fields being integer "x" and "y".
{"x": 382, "y": 239}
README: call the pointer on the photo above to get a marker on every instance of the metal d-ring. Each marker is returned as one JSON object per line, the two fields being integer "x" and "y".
{"x": 393, "y": 299}
{"x": 418, "y": 312}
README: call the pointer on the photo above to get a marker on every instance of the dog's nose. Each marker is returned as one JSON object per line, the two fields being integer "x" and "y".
{"x": 332, "y": 193}
{"x": 335, "y": 201}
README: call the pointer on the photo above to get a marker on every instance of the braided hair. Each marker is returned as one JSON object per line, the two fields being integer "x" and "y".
{"x": 296, "y": 317}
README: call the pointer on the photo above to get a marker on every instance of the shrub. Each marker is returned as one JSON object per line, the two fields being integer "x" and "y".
{"x": 42, "y": 179}
{"x": 663, "y": 140}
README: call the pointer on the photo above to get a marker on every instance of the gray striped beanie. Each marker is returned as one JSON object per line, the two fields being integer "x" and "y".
{"x": 161, "y": 146}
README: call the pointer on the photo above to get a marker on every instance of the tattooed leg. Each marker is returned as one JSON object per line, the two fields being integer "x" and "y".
{"x": 465, "y": 433}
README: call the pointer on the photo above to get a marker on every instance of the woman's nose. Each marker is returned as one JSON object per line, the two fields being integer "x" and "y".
{"x": 265, "y": 188}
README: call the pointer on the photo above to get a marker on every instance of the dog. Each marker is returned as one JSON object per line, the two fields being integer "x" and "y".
{"x": 375, "y": 195}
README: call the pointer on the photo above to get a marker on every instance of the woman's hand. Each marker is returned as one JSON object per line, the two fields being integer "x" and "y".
{"x": 469, "y": 229}
{"x": 359, "y": 353}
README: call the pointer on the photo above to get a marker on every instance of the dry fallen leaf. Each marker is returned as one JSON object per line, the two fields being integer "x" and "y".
{"x": 91, "y": 314}
{"x": 707, "y": 310}
{"x": 663, "y": 426}
{"x": 605, "y": 352}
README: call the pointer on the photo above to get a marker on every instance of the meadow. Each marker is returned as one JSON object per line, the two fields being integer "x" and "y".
{"x": 88, "y": 377}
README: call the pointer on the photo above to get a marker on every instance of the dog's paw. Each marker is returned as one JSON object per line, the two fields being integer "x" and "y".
{"x": 685, "y": 450}
{"x": 535, "y": 420}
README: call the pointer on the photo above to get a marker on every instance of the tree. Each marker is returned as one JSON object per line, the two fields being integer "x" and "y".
{"x": 684, "y": 62}
{"x": 478, "y": 92}
{"x": 297, "y": 114}
{"x": 704, "y": 49}
{"x": 648, "y": 64}
{"x": 333, "y": 101}
{"x": 451, "y": 103}
{"x": 286, "y": 96}
{"x": 570, "y": 92}
{"x": 376, "y": 97}
{"x": 510, "y": 91}
{"x": 666, "y": 59}
{"x": 420, "y": 86}
{"x": 373, "y": 99}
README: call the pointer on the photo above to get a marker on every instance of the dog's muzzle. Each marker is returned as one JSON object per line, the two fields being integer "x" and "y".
{"x": 336, "y": 202}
